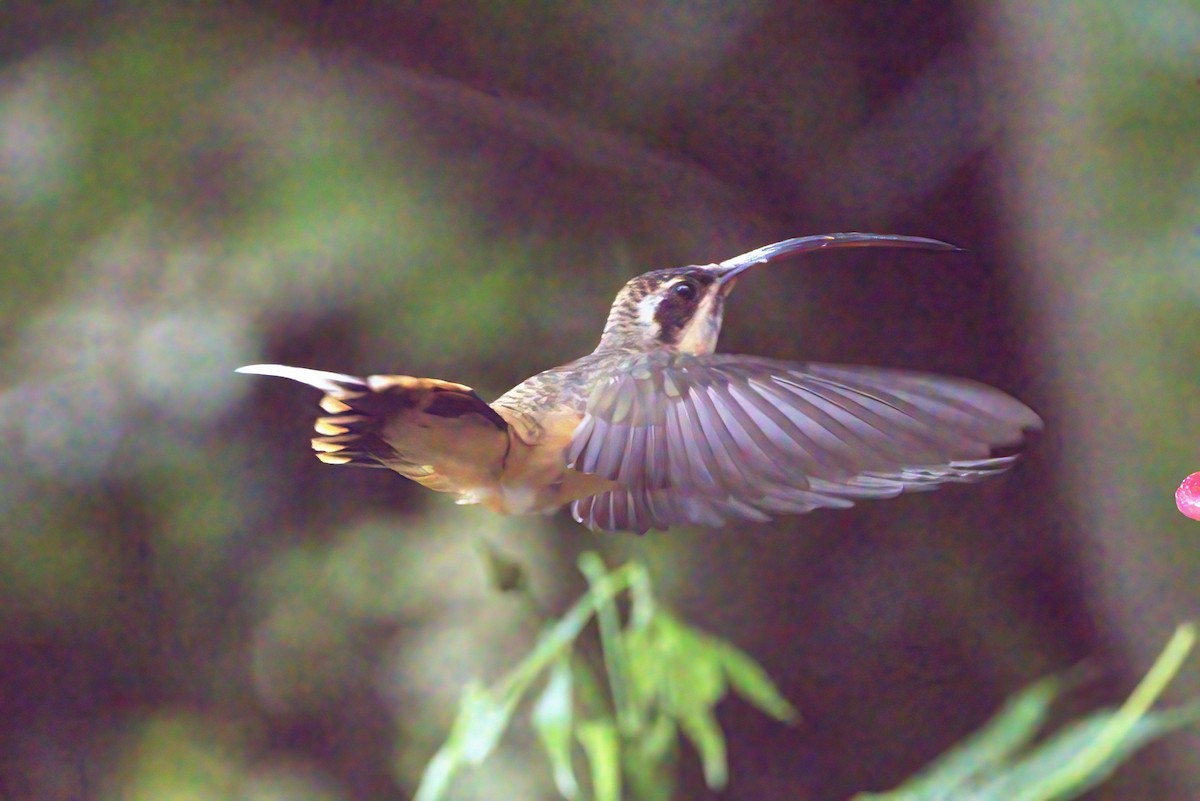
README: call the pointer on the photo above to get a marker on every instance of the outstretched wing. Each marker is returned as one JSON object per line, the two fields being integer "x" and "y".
{"x": 708, "y": 439}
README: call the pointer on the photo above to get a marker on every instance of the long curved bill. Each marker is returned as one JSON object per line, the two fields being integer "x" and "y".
{"x": 732, "y": 268}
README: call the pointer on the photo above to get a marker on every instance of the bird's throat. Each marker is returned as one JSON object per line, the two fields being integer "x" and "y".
{"x": 698, "y": 337}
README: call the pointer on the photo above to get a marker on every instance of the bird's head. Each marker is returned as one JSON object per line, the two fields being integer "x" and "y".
{"x": 681, "y": 308}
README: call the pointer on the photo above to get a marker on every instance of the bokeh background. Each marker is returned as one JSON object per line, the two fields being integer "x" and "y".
{"x": 193, "y": 607}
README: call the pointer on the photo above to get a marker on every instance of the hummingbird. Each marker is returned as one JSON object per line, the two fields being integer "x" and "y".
{"x": 654, "y": 428}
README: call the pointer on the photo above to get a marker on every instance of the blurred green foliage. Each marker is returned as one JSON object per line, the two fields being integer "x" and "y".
{"x": 664, "y": 680}
{"x": 1001, "y": 762}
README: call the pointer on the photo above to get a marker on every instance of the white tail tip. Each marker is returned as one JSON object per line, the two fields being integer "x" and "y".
{"x": 326, "y": 382}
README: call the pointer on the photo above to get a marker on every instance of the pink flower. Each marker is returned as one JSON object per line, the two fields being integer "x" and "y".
{"x": 1187, "y": 497}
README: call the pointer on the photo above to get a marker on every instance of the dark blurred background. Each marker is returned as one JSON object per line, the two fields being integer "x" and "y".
{"x": 193, "y": 607}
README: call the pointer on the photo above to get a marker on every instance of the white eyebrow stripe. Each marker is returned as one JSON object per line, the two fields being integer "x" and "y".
{"x": 647, "y": 306}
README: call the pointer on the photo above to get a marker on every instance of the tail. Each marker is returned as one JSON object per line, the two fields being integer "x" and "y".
{"x": 360, "y": 409}
{"x": 351, "y": 433}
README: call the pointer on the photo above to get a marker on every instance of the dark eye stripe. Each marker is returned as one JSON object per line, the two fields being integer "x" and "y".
{"x": 675, "y": 309}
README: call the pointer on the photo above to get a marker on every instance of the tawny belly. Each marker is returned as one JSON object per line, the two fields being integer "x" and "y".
{"x": 535, "y": 480}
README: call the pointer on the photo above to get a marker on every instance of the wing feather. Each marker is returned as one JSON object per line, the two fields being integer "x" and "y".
{"x": 708, "y": 439}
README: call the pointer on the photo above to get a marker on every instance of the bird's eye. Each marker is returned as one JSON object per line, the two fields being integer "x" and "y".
{"x": 685, "y": 290}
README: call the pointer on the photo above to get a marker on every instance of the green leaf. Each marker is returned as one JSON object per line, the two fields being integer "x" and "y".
{"x": 1012, "y": 728}
{"x": 665, "y": 679}
{"x": 601, "y": 744}
{"x": 641, "y": 597}
{"x": 687, "y": 673}
{"x": 612, "y": 644}
{"x": 647, "y": 664}
{"x": 751, "y": 682}
{"x": 692, "y": 677}
{"x": 481, "y": 721}
{"x": 476, "y": 730}
{"x": 552, "y": 718}
{"x": 701, "y": 728}
{"x": 561, "y": 635}
{"x": 988, "y": 765}
{"x": 1120, "y": 725}
{"x": 657, "y": 740}
{"x": 649, "y": 760}
{"x": 437, "y": 775}
{"x": 1034, "y": 778}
